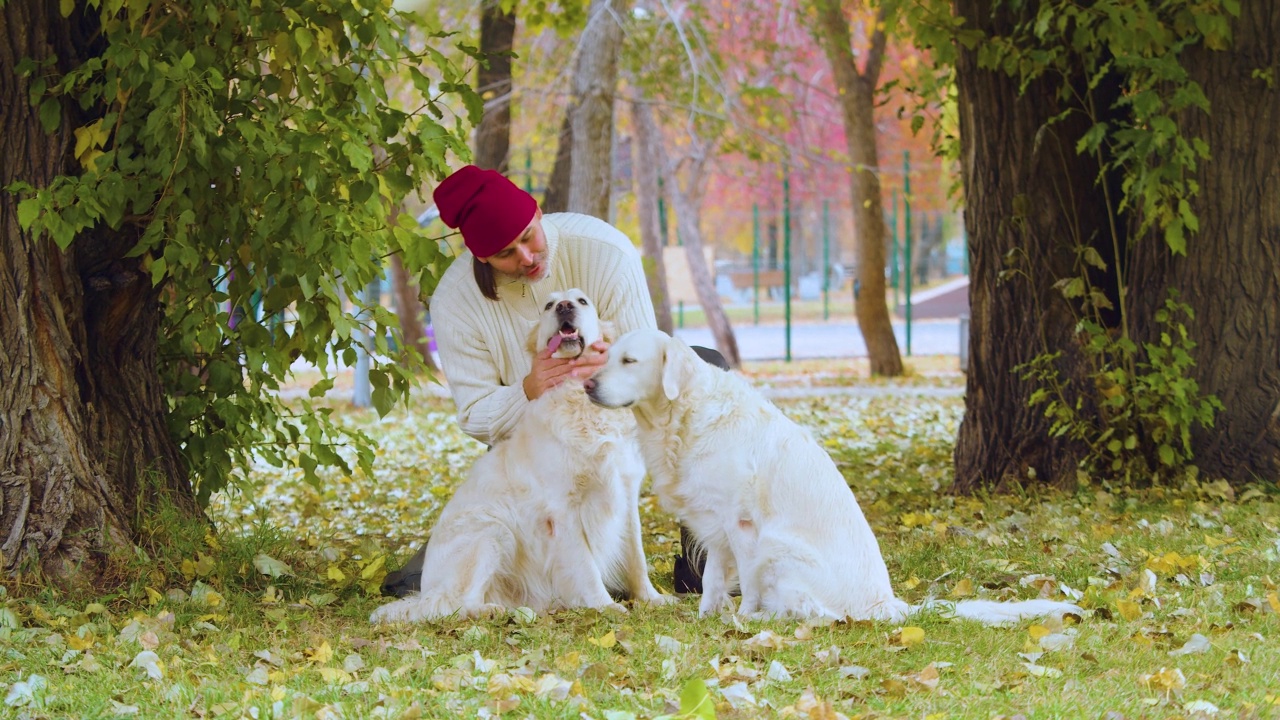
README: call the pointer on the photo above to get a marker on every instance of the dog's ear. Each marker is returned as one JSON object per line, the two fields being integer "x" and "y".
{"x": 675, "y": 367}
{"x": 608, "y": 331}
{"x": 532, "y": 343}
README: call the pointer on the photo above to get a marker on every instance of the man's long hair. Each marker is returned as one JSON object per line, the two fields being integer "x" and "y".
{"x": 485, "y": 278}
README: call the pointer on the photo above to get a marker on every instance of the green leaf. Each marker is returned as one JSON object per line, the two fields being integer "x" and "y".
{"x": 65, "y": 7}
{"x": 1166, "y": 453}
{"x": 695, "y": 701}
{"x": 50, "y": 114}
{"x": 28, "y": 211}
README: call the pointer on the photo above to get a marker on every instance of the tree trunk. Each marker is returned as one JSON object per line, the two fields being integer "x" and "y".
{"x": 1231, "y": 272}
{"x": 857, "y": 106}
{"x": 411, "y": 311}
{"x": 556, "y": 197}
{"x": 594, "y": 80}
{"x": 688, "y": 207}
{"x": 1026, "y": 191}
{"x": 85, "y": 454}
{"x": 647, "y": 193}
{"x": 493, "y": 82}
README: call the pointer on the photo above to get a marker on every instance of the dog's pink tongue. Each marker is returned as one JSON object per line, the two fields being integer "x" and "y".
{"x": 555, "y": 342}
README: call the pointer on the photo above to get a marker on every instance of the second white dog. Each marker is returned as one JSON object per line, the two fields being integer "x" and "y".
{"x": 764, "y": 500}
{"x": 549, "y": 518}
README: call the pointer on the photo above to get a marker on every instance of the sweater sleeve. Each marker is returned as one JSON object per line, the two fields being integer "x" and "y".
{"x": 487, "y": 409}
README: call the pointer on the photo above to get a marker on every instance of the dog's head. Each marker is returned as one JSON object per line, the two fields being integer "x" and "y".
{"x": 644, "y": 365}
{"x": 569, "y": 324}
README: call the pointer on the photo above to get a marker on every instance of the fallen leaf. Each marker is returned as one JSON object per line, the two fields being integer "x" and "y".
{"x": 778, "y": 672}
{"x": 962, "y": 589}
{"x": 150, "y": 662}
{"x": 1197, "y": 643}
{"x": 605, "y": 641}
{"x": 270, "y": 566}
{"x": 1129, "y": 610}
{"x": 910, "y": 636}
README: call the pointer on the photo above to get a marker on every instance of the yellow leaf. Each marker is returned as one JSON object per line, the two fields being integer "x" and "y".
{"x": 910, "y": 636}
{"x": 212, "y": 541}
{"x": 964, "y": 588}
{"x": 606, "y": 641}
{"x": 75, "y": 642}
{"x": 1274, "y": 602}
{"x": 334, "y": 675}
{"x": 912, "y": 583}
{"x": 188, "y": 569}
{"x": 320, "y": 655}
{"x": 374, "y": 566}
{"x": 153, "y": 596}
{"x": 1129, "y": 610}
{"x": 336, "y": 575}
{"x": 1038, "y": 631}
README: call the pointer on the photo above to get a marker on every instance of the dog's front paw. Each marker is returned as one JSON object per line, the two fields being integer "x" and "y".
{"x": 714, "y": 604}
{"x": 406, "y": 610}
{"x": 658, "y": 600}
{"x": 487, "y": 611}
{"x": 614, "y": 608}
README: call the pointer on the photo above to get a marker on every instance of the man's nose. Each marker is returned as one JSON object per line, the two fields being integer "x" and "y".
{"x": 526, "y": 256}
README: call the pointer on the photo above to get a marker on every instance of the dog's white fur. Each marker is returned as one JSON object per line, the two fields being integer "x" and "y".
{"x": 764, "y": 500}
{"x": 549, "y": 518}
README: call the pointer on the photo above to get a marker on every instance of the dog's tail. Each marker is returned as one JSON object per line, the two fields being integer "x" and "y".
{"x": 991, "y": 612}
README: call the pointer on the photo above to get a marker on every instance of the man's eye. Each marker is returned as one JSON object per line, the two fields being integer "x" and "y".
{"x": 628, "y": 360}
{"x": 548, "y": 305}
{"x": 582, "y": 301}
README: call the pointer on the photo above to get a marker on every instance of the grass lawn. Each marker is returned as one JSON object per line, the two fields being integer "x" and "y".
{"x": 267, "y": 616}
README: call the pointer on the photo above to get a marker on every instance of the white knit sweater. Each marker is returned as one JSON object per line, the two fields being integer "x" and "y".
{"x": 484, "y": 345}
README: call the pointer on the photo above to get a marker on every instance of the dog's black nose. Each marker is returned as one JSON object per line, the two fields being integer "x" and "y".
{"x": 564, "y": 307}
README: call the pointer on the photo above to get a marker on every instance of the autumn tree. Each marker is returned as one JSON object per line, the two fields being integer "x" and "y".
{"x": 857, "y": 89}
{"x": 186, "y": 189}
{"x": 1123, "y": 212}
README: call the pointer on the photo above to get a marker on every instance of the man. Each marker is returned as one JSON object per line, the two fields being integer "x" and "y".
{"x": 490, "y": 299}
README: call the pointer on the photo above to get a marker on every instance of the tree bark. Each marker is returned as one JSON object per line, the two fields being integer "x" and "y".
{"x": 857, "y": 107}
{"x": 1029, "y": 196}
{"x": 647, "y": 193}
{"x": 594, "y": 80}
{"x": 493, "y": 83}
{"x": 556, "y": 197}
{"x": 1230, "y": 275}
{"x": 85, "y": 454}
{"x": 688, "y": 206}
{"x": 411, "y": 311}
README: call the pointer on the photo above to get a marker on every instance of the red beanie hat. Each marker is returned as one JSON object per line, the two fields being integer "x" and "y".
{"x": 489, "y": 209}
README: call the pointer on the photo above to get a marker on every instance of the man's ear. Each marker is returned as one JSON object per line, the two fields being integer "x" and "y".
{"x": 674, "y": 368}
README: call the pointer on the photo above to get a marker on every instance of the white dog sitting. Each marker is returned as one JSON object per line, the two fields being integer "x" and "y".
{"x": 549, "y": 518}
{"x": 762, "y": 497}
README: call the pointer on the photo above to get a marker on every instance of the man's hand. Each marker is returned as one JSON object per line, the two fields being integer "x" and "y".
{"x": 586, "y": 364}
{"x": 547, "y": 373}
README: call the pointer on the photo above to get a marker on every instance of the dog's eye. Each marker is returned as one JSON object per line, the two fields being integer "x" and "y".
{"x": 548, "y": 305}
{"x": 582, "y": 301}
{"x": 628, "y": 360}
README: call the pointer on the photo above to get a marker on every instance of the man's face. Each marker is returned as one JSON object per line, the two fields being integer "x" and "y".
{"x": 526, "y": 256}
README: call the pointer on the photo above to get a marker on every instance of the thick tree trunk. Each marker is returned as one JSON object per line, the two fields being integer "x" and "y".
{"x": 647, "y": 193}
{"x": 594, "y": 81}
{"x": 1231, "y": 272}
{"x": 1029, "y": 196}
{"x": 493, "y": 82}
{"x": 85, "y": 455}
{"x": 857, "y": 106}
{"x": 556, "y": 197}
{"x": 688, "y": 207}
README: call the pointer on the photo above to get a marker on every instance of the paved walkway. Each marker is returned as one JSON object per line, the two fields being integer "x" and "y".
{"x": 830, "y": 340}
